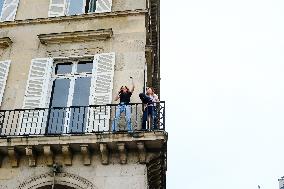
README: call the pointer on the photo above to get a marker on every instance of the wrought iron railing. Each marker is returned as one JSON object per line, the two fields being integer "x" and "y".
{"x": 82, "y": 119}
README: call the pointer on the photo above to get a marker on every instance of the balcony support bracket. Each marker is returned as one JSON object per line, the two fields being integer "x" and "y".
{"x": 67, "y": 155}
{"x": 86, "y": 154}
{"x": 104, "y": 153}
{"x": 31, "y": 155}
{"x": 141, "y": 152}
{"x": 122, "y": 153}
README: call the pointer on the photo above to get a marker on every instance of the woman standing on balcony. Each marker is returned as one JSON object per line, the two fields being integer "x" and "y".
{"x": 150, "y": 111}
{"x": 124, "y": 95}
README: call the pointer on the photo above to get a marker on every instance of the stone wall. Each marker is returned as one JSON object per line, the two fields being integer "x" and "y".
{"x": 96, "y": 176}
{"x": 128, "y": 42}
{"x": 39, "y": 8}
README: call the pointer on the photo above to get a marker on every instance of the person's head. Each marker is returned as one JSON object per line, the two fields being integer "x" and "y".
{"x": 124, "y": 89}
{"x": 150, "y": 91}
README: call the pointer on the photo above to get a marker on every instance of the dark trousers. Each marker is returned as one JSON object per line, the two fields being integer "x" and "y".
{"x": 149, "y": 111}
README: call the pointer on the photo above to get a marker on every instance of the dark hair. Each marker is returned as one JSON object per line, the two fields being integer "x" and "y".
{"x": 151, "y": 89}
{"x": 125, "y": 87}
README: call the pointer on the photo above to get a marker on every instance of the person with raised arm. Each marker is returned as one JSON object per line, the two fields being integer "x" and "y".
{"x": 124, "y": 95}
{"x": 149, "y": 113}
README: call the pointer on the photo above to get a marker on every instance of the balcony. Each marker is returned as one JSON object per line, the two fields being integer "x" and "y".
{"x": 77, "y": 120}
{"x": 84, "y": 130}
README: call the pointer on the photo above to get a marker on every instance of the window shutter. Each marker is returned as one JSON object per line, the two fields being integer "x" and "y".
{"x": 101, "y": 91}
{"x": 57, "y": 8}
{"x": 4, "y": 70}
{"x": 9, "y": 10}
{"x": 36, "y": 96}
{"x": 103, "y": 6}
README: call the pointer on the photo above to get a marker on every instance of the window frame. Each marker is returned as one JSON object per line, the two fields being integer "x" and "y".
{"x": 72, "y": 76}
{"x": 86, "y": 4}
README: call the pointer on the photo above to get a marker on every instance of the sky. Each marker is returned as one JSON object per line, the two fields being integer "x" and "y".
{"x": 223, "y": 83}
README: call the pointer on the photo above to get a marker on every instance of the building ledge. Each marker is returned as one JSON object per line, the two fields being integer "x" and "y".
{"x": 72, "y": 18}
{"x": 143, "y": 143}
{"x": 77, "y": 36}
{"x": 5, "y": 42}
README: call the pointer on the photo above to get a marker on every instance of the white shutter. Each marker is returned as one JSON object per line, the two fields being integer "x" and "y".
{"x": 36, "y": 96}
{"x": 101, "y": 91}
{"x": 4, "y": 70}
{"x": 57, "y": 8}
{"x": 9, "y": 10}
{"x": 103, "y": 6}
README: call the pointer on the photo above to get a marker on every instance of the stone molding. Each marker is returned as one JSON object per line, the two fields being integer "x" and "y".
{"x": 65, "y": 179}
{"x": 5, "y": 42}
{"x": 145, "y": 145}
{"x": 73, "y": 18}
{"x": 76, "y": 36}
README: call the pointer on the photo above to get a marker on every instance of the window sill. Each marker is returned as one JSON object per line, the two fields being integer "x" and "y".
{"x": 71, "y": 18}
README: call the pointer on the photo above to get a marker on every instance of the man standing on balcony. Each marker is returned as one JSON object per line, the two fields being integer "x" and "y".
{"x": 124, "y": 95}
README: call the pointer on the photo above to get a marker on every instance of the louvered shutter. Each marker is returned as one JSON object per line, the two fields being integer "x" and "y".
{"x": 9, "y": 10}
{"x": 4, "y": 70}
{"x": 4, "y": 120}
{"x": 36, "y": 96}
{"x": 101, "y": 91}
{"x": 57, "y": 8}
{"x": 103, "y": 6}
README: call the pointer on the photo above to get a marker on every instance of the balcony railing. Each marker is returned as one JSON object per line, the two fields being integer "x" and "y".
{"x": 80, "y": 119}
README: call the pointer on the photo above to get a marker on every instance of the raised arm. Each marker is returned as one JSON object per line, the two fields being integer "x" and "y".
{"x": 156, "y": 97}
{"x": 133, "y": 86}
{"x": 117, "y": 97}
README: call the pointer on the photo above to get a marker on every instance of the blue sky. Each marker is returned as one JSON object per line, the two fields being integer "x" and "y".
{"x": 223, "y": 80}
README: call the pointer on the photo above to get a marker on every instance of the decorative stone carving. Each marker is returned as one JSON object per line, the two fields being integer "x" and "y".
{"x": 32, "y": 157}
{"x": 86, "y": 154}
{"x": 77, "y": 36}
{"x": 48, "y": 154}
{"x": 141, "y": 152}
{"x": 73, "y": 52}
{"x": 5, "y": 42}
{"x": 64, "y": 179}
{"x": 13, "y": 157}
{"x": 122, "y": 153}
{"x": 104, "y": 153}
{"x": 67, "y": 155}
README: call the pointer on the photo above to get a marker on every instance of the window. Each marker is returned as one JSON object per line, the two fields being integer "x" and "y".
{"x": 55, "y": 85}
{"x": 1, "y": 5}
{"x": 8, "y": 9}
{"x": 71, "y": 88}
{"x": 75, "y": 7}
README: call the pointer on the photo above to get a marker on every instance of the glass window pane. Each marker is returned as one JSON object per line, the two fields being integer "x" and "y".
{"x": 58, "y": 116}
{"x": 1, "y": 5}
{"x": 79, "y": 115}
{"x": 63, "y": 68}
{"x": 84, "y": 67}
{"x": 81, "y": 91}
{"x": 92, "y": 5}
{"x": 60, "y": 92}
{"x": 76, "y": 7}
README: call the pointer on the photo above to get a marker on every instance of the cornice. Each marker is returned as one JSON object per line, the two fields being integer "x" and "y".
{"x": 77, "y": 36}
{"x": 72, "y": 18}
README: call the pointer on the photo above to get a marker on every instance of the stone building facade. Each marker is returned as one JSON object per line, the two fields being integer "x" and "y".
{"x": 62, "y": 62}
